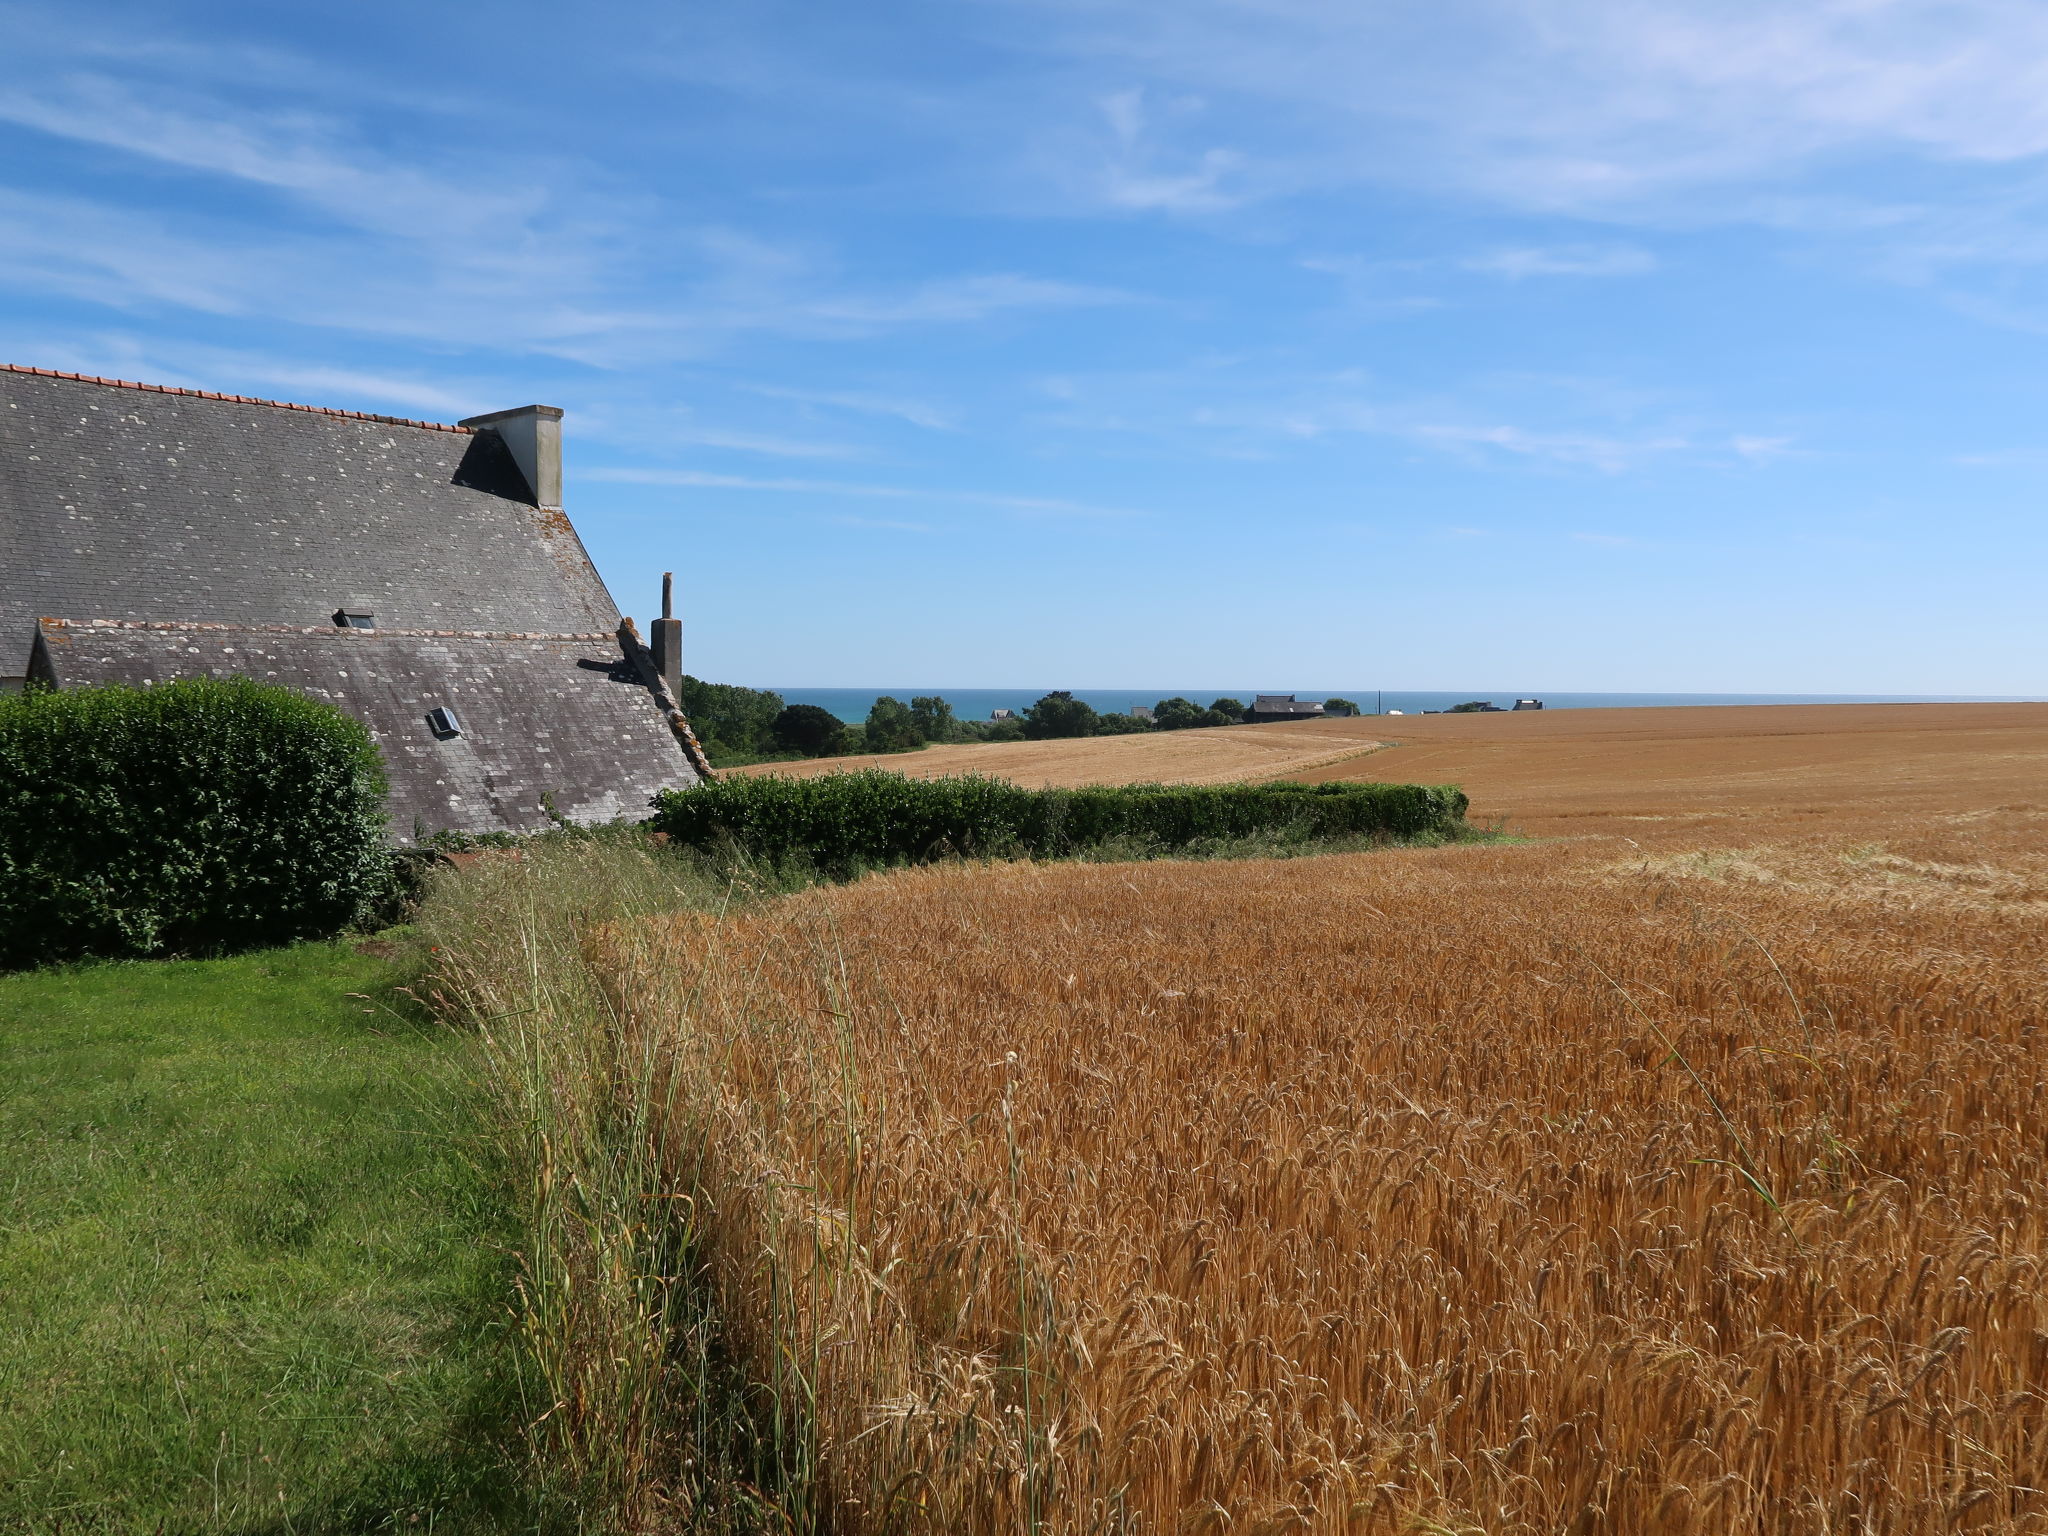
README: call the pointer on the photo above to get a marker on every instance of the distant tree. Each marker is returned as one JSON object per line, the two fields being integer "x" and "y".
{"x": 1120, "y": 725}
{"x": 891, "y": 727}
{"x": 989, "y": 730}
{"x": 933, "y": 718}
{"x": 1470, "y": 707}
{"x": 1217, "y": 717}
{"x": 1057, "y": 715}
{"x": 1341, "y": 707}
{"x": 1178, "y": 714}
{"x": 734, "y": 724}
{"x": 808, "y": 729}
{"x": 1233, "y": 708}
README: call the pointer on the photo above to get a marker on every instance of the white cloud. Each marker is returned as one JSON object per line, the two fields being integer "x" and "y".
{"x": 1571, "y": 104}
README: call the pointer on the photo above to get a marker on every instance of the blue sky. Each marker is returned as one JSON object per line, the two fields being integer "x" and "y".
{"x": 1524, "y": 344}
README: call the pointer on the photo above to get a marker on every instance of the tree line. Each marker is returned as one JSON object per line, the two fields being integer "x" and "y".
{"x": 753, "y": 725}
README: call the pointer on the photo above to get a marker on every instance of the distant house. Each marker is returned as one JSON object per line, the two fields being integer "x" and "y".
{"x": 1528, "y": 704}
{"x": 420, "y": 576}
{"x": 1002, "y": 714}
{"x": 1141, "y": 712}
{"x": 1284, "y": 706}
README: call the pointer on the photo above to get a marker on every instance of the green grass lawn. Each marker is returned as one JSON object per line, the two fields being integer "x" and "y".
{"x": 252, "y": 1273}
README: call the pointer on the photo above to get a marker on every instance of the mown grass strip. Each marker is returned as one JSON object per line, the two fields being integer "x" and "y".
{"x": 252, "y": 1270}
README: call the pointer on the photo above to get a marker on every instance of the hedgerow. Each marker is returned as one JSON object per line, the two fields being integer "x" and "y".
{"x": 843, "y": 822}
{"x": 192, "y": 818}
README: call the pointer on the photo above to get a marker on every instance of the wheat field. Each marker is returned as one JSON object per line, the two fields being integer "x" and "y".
{"x": 1228, "y": 754}
{"x": 1682, "y": 1173}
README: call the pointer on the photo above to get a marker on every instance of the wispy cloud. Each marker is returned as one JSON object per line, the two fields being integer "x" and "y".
{"x": 1762, "y": 450}
{"x": 916, "y": 412}
{"x": 1570, "y": 104}
{"x": 1133, "y": 171}
{"x": 1610, "y": 455}
{"x": 761, "y": 443}
{"x": 1563, "y": 261}
{"x": 959, "y": 298}
{"x": 307, "y": 221}
{"x": 305, "y": 156}
{"x": 1224, "y": 407}
{"x": 232, "y": 371}
{"x": 890, "y": 524}
{"x": 703, "y": 479}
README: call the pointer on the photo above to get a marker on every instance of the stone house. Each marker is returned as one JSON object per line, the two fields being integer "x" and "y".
{"x": 1284, "y": 706}
{"x": 423, "y": 577}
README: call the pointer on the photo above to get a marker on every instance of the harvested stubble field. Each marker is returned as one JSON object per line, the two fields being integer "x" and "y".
{"x": 1682, "y": 1183}
{"x": 1230, "y": 754}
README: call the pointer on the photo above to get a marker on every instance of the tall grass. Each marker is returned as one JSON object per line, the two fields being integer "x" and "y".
{"x": 635, "y": 1413}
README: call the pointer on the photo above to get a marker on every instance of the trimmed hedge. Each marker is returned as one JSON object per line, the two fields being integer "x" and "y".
{"x": 191, "y": 818}
{"x": 845, "y": 822}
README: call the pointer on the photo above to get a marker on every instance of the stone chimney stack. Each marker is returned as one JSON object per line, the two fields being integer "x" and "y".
{"x": 668, "y": 640}
{"x": 534, "y": 434}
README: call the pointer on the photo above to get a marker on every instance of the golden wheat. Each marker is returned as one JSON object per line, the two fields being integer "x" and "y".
{"x": 1231, "y": 754}
{"x": 1505, "y": 1189}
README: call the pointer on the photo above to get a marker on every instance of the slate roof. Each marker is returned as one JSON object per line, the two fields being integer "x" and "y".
{"x": 1284, "y": 704}
{"x": 150, "y": 533}
{"x": 139, "y": 502}
{"x": 560, "y": 716}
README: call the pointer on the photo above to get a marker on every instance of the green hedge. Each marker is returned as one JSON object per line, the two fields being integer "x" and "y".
{"x": 844, "y": 822}
{"x": 191, "y": 818}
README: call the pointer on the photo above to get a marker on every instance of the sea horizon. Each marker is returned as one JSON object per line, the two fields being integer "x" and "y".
{"x": 852, "y": 704}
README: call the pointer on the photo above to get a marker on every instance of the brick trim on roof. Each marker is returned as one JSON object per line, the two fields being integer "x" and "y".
{"x": 208, "y": 394}
{"x": 199, "y": 628}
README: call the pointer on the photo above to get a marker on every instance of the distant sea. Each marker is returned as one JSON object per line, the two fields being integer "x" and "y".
{"x": 976, "y": 703}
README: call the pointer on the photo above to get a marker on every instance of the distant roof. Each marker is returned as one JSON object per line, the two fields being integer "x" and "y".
{"x": 1284, "y": 704}
{"x": 136, "y": 501}
{"x": 545, "y": 718}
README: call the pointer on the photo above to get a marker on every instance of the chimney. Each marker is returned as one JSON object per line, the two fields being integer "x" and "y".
{"x": 534, "y": 434}
{"x": 668, "y": 640}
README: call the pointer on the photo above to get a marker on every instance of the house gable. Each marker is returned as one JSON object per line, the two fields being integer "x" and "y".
{"x": 136, "y": 503}
{"x": 408, "y": 572}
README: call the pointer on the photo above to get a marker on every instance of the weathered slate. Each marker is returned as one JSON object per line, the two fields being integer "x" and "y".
{"x": 127, "y": 503}
{"x": 544, "y": 718}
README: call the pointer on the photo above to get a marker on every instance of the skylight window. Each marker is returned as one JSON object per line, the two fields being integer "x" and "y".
{"x": 355, "y": 618}
{"x": 444, "y": 722}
